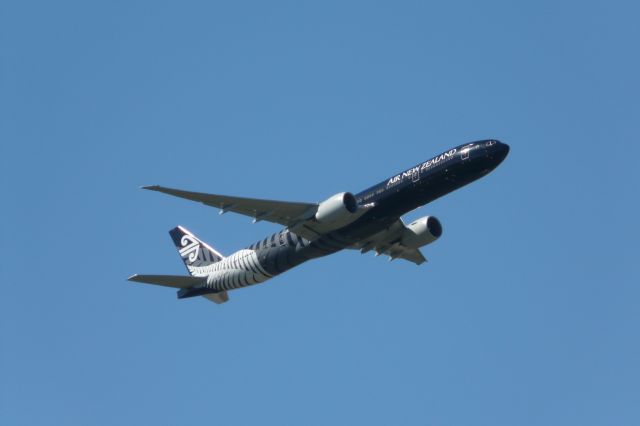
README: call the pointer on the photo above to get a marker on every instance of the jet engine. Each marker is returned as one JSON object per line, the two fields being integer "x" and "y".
{"x": 338, "y": 209}
{"x": 421, "y": 232}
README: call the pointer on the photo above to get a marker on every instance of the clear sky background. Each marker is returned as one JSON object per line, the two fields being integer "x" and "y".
{"x": 528, "y": 312}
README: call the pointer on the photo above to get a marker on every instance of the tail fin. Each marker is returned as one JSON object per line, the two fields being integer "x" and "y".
{"x": 196, "y": 254}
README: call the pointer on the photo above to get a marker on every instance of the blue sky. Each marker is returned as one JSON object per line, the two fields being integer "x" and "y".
{"x": 527, "y": 313}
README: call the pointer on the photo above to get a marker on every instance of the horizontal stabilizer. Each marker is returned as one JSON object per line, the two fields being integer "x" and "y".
{"x": 175, "y": 281}
{"x": 217, "y": 297}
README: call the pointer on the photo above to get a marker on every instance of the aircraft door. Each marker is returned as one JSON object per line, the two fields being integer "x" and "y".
{"x": 415, "y": 176}
{"x": 464, "y": 153}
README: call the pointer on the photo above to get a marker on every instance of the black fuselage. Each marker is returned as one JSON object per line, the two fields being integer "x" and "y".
{"x": 391, "y": 199}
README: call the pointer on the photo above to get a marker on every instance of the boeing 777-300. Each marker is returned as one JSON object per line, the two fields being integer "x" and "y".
{"x": 367, "y": 221}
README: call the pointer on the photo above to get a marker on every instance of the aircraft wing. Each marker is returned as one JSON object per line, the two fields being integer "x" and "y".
{"x": 282, "y": 212}
{"x": 388, "y": 242}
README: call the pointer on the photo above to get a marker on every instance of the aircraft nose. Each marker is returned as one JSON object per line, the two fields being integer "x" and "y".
{"x": 500, "y": 151}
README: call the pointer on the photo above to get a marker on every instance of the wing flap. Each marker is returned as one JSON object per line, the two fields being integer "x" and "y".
{"x": 413, "y": 255}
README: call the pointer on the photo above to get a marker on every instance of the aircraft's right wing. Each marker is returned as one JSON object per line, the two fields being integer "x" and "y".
{"x": 388, "y": 242}
{"x": 282, "y": 212}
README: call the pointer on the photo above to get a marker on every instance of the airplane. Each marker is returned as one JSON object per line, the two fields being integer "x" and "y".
{"x": 367, "y": 221}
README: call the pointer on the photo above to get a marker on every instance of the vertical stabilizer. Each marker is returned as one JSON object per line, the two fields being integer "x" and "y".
{"x": 197, "y": 255}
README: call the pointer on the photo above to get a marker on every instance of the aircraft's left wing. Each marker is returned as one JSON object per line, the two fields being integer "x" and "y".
{"x": 282, "y": 212}
{"x": 388, "y": 242}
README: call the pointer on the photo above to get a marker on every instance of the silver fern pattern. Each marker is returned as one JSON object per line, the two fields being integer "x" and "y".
{"x": 252, "y": 265}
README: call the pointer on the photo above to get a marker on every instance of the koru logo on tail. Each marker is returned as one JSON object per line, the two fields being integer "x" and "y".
{"x": 190, "y": 248}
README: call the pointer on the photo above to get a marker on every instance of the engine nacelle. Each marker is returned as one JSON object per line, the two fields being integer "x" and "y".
{"x": 421, "y": 232}
{"x": 338, "y": 209}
